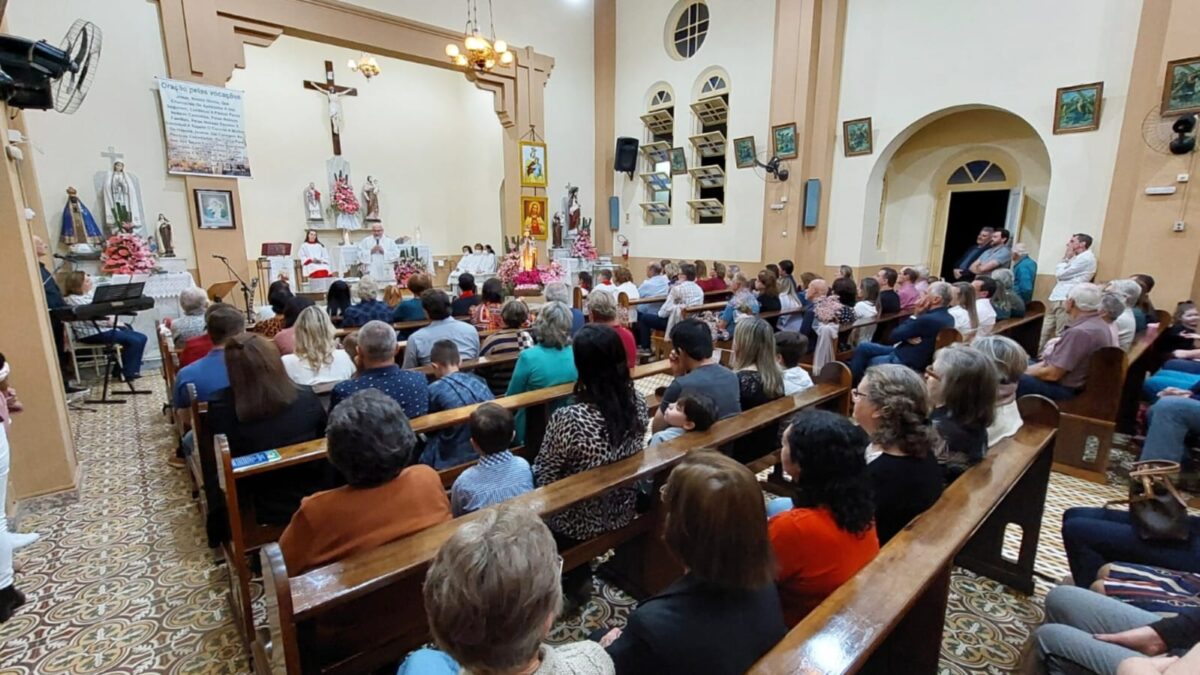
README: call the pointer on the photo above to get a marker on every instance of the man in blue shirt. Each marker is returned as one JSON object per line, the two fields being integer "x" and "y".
{"x": 997, "y": 255}
{"x": 368, "y": 307}
{"x": 208, "y": 374}
{"x": 962, "y": 268}
{"x": 915, "y": 338}
{"x": 442, "y": 326}
{"x": 453, "y": 389}
{"x": 1024, "y": 272}
{"x": 655, "y": 286}
{"x": 376, "y": 361}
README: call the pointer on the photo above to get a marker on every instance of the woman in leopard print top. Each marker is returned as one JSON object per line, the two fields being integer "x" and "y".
{"x": 606, "y": 423}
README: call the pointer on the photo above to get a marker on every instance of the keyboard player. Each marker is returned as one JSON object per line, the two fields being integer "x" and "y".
{"x": 102, "y": 331}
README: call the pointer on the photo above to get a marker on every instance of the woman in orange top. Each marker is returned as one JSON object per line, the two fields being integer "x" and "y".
{"x": 370, "y": 442}
{"x": 826, "y": 534}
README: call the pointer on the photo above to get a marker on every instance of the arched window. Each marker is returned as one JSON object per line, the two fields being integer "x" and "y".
{"x": 657, "y": 142}
{"x": 710, "y": 109}
{"x": 687, "y": 27}
{"x": 977, "y": 171}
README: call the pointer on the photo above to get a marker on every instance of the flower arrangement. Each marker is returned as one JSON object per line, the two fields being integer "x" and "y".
{"x": 828, "y": 309}
{"x": 510, "y": 266}
{"x": 406, "y": 267}
{"x": 127, "y": 253}
{"x": 344, "y": 199}
{"x": 583, "y": 247}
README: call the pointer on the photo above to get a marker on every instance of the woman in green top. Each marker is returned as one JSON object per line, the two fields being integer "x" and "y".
{"x": 548, "y": 363}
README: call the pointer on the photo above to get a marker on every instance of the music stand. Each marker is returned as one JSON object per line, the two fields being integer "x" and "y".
{"x": 218, "y": 291}
{"x": 114, "y": 293}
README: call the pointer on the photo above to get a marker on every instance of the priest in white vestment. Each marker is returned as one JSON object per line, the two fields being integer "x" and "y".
{"x": 379, "y": 253}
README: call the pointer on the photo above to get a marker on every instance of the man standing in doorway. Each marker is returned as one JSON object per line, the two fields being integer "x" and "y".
{"x": 962, "y": 268}
{"x": 1077, "y": 266}
{"x": 997, "y": 255}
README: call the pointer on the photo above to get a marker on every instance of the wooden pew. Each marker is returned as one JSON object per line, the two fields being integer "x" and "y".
{"x": 247, "y": 535}
{"x": 473, "y": 364}
{"x": 1142, "y": 360}
{"x": 1089, "y": 420}
{"x": 709, "y": 296}
{"x": 366, "y": 612}
{"x": 893, "y": 611}
{"x": 1026, "y": 330}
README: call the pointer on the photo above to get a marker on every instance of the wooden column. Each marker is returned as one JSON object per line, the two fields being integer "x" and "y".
{"x": 41, "y": 445}
{"x": 604, "y": 46}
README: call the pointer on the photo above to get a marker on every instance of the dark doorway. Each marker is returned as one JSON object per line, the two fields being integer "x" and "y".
{"x": 970, "y": 211}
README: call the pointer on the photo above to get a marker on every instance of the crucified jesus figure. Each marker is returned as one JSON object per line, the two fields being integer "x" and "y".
{"x": 335, "y": 106}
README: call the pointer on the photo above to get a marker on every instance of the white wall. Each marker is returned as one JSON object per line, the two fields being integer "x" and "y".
{"x": 561, "y": 29}
{"x": 121, "y": 110}
{"x": 428, "y": 135}
{"x": 906, "y": 61}
{"x": 741, "y": 41}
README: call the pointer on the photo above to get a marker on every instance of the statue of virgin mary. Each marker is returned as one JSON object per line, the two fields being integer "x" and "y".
{"x": 121, "y": 189}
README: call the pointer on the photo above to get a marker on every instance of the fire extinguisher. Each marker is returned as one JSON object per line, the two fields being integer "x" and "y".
{"x": 624, "y": 247}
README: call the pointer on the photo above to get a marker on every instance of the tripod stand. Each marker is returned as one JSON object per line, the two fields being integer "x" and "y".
{"x": 110, "y": 362}
{"x": 247, "y": 290}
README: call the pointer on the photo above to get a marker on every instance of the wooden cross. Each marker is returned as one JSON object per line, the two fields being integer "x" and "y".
{"x": 330, "y": 87}
{"x": 112, "y": 154}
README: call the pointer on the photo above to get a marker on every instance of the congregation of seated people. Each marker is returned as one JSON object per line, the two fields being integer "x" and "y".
{"x": 921, "y": 417}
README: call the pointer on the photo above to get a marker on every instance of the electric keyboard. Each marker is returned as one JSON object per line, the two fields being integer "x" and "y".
{"x": 99, "y": 310}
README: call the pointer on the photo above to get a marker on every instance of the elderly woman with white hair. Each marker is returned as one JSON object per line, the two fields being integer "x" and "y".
{"x": 1130, "y": 291}
{"x": 558, "y": 292}
{"x": 193, "y": 301}
{"x": 1062, "y": 373}
{"x": 369, "y": 307}
{"x": 492, "y": 594}
{"x": 550, "y": 362}
{"x": 1024, "y": 271}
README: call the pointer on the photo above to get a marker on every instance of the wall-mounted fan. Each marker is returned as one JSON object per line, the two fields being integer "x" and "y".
{"x": 39, "y": 75}
{"x": 1169, "y": 135}
{"x": 770, "y": 168}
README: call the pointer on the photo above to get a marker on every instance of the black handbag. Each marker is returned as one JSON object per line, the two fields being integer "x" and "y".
{"x": 1158, "y": 511}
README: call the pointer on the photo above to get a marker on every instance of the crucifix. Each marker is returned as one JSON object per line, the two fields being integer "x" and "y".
{"x": 333, "y": 93}
{"x": 112, "y": 154}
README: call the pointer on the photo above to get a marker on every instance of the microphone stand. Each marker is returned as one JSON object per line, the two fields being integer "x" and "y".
{"x": 247, "y": 291}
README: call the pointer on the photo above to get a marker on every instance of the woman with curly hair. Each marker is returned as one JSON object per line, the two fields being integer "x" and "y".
{"x": 892, "y": 406}
{"x": 826, "y": 533}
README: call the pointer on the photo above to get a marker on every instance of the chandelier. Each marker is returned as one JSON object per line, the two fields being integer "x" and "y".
{"x": 477, "y": 50}
{"x": 365, "y": 65}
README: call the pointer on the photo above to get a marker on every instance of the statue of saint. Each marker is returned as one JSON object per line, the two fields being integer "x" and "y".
{"x": 164, "y": 236}
{"x": 556, "y": 225}
{"x": 312, "y": 202}
{"x": 78, "y": 225}
{"x": 370, "y": 195}
{"x": 528, "y": 250}
{"x": 572, "y": 208}
{"x": 121, "y": 199}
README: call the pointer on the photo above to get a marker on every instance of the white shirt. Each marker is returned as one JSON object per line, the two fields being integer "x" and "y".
{"x": 630, "y": 290}
{"x": 379, "y": 265}
{"x": 317, "y": 254}
{"x": 987, "y": 317}
{"x": 1126, "y": 327}
{"x": 796, "y": 380}
{"x": 341, "y": 368}
{"x": 1071, "y": 273}
{"x": 864, "y": 311}
{"x": 962, "y": 321}
{"x": 683, "y": 294}
{"x": 1007, "y": 422}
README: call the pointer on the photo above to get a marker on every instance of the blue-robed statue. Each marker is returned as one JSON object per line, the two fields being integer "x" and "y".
{"x": 78, "y": 225}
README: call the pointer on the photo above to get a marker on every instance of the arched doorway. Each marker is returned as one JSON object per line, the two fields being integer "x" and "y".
{"x": 948, "y": 174}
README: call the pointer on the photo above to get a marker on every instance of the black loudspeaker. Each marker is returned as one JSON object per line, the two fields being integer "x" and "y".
{"x": 625, "y": 156}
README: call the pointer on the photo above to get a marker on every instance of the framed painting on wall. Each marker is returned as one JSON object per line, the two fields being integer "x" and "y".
{"x": 744, "y": 154}
{"x": 533, "y": 216}
{"x": 678, "y": 161}
{"x": 533, "y": 164}
{"x": 856, "y": 137}
{"x": 1181, "y": 90}
{"x": 1078, "y": 108}
{"x": 214, "y": 209}
{"x": 783, "y": 139}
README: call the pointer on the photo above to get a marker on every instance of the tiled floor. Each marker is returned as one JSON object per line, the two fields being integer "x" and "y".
{"x": 122, "y": 582}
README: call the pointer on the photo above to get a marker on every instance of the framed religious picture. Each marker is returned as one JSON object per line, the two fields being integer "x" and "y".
{"x": 1181, "y": 90}
{"x": 744, "y": 154}
{"x": 214, "y": 209}
{"x": 1078, "y": 108}
{"x": 678, "y": 161}
{"x": 533, "y": 216}
{"x": 533, "y": 164}
{"x": 856, "y": 137}
{"x": 783, "y": 139}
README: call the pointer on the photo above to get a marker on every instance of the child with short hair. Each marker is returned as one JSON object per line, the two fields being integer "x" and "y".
{"x": 499, "y": 475}
{"x": 453, "y": 389}
{"x": 790, "y": 347}
{"x": 692, "y": 411}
